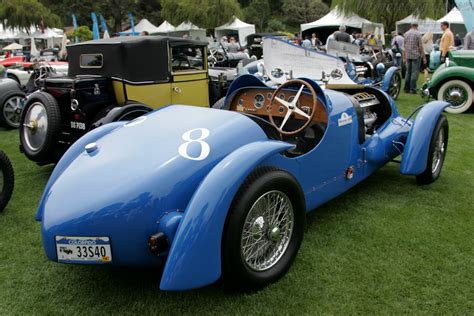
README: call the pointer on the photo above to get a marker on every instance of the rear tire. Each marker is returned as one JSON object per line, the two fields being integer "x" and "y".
{"x": 39, "y": 128}
{"x": 436, "y": 153}
{"x": 264, "y": 230}
{"x": 11, "y": 109}
{"x": 7, "y": 180}
{"x": 458, "y": 93}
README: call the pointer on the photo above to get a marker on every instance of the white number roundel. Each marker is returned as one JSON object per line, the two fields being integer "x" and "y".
{"x": 205, "y": 149}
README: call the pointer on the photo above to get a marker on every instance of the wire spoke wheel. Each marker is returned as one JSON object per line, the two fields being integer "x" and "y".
{"x": 439, "y": 152}
{"x": 456, "y": 95}
{"x": 267, "y": 231}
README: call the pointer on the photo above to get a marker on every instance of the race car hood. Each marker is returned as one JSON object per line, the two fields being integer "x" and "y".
{"x": 126, "y": 180}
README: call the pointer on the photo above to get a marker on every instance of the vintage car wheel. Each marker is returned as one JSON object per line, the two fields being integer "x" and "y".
{"x": 395, "y": 85}
{"x": 7, "y": 180}
{"x": 436, "y": 153}
{"x": 40, "y": 126}
{"x": 10, "y": 110}
{"x": 458, "y": 93}
{"x": 264, "y": 230}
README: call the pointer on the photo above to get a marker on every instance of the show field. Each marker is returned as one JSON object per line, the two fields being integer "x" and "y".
{"x": 387, "y": 246}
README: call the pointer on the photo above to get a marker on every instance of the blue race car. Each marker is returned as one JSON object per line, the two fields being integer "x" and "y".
{"x": 223, "y": 193}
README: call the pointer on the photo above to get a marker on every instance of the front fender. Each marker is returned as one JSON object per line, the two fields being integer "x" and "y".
{"x": 415, "y": 155}
{"x": 388, "y": 77}
{"x": 446, "y": 73}
{"x": 76, "y": 149}
{"x": 195, "y": 256}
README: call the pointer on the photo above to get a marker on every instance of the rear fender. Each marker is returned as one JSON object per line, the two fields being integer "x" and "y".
{"x": 75, "y": 150}
{"x": 415, "y": 155}
{"x": 195, "y": 256}
{"x": 388, "y": 77}
{"x": 115, "y": 113}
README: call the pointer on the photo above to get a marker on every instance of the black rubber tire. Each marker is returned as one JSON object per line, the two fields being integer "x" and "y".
{"x": 219, "y": 104}
{"x": 396, "y": 76}
{"x": 236, "y": 273}
{"x": 6, "y": 97}
{"x": 6, "y": 172}
{"x": 428, "y": 176}
{"x": 47, "y": 153}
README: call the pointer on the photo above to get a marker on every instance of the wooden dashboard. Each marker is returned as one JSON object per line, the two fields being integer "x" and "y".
{"x": 257, "y": 102}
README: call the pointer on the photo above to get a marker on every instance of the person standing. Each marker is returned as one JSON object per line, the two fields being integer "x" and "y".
{"x": 233, "y": 46}
{"x": 342, "y": 36}
{"x": 411, "y": 57}
{"x": 469, "y": 40}
{"x": 306, "y": 42}
{"x": 447, "y": 41}
{"x": 398, "y": 42}
{"x": 427, "y": 40}
{"x": 315, "y": 42}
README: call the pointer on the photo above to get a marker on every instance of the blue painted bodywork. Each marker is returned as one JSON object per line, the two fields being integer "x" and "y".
{"x": 137, "y": 182}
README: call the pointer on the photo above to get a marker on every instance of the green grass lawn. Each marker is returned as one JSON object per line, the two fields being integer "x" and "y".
{"x": 387, "y": 246}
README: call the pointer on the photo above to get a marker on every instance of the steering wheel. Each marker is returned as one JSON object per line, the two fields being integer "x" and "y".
{"x": 182, "y": 59}
{"x": 293, "y": 107}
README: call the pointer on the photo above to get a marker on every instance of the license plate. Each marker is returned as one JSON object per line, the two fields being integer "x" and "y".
{"x": 83, "y": 249}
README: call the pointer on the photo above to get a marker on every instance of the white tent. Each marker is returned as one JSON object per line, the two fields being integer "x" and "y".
{"x": 236, "y": 25}
{"x": 331, "y": 22}
{"x": 165, "y": 28}
{"x": 13, "y": 46}
{"x": 51, "y": 37}
{"x": 194, "y": 32}
{"x": 456, "y": 22}
{"x": 143, "y": 26}
{"x": 424, "y": 25}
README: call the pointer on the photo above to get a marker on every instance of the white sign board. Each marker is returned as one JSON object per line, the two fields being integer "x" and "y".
{"x": 284, "y": 61}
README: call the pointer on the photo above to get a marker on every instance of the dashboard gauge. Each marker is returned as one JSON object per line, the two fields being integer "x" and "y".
{"x": 281, "y": 109}
{"x": 282, "y": 96}
{"x": 259, "y": 101}
{"x": 269, "y": 96}
{"x": 241, "y": 101}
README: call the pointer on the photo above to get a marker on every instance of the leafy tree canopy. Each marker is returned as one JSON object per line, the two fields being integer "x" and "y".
{"x": 25, "y": 13}
{"x": 204, "y": 13}
{"x": 389, "y": 12}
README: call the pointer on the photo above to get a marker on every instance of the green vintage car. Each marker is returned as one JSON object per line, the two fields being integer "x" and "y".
{"x": 453, "y": 82}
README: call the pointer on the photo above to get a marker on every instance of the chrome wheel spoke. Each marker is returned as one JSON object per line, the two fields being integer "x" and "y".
{"x": 267, "y": 231}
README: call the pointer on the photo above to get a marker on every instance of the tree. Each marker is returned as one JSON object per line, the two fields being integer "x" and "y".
{"x": 304, "y": 11}
{"x": 26, "y": 13}
{"x": 205, "y": 13}
{"x": 388, "y": 12}
{"x": 83, "y": 33}
{"x": 258, "y": 13}
{"x": 150, "y": 10}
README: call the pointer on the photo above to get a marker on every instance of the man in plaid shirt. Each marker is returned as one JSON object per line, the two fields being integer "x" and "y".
{"x": 411, "y": 57}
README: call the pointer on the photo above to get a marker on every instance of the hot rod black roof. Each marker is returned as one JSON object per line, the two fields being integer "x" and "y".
{"x": 134, "y": 59}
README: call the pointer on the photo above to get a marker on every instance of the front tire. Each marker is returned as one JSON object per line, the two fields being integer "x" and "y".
{"x": 39, "y": 128}
{"x": 264, "y": 230}
{"x": 436, "y": 153}
{"x": 7, "y": 180}
{"x": 458, "y": 93}
{"x": 395, "y": 85}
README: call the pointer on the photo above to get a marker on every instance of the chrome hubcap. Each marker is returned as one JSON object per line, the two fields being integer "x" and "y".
{"x": 36, "y": 126}
{"x": 267, "y": 231}
{"x": 438, "y": 153}
{"x": 12, "y": 111}
{"x": 456, "y": 95}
